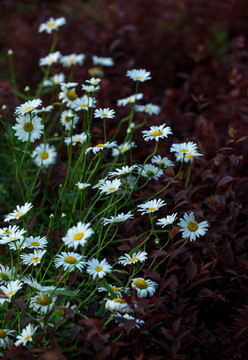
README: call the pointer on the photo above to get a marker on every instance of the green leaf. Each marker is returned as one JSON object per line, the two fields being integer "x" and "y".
{"x": 116, "y": 279}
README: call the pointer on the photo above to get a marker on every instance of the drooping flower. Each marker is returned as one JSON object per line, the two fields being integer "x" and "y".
{"x": 82, "y": 186}
{"x": 68, "y": 119}
{"x": 117, "y": 218}
{"x": 103, "y": 61}
{"x": 144, "y": 287}
{"x": 76, "y": 139}
{"x": 127, "y": 259}
{"x": 162, "y": 162}
{"x": 101, "y": 146}
{"x": 168, "y": 220}
{"x": 137, "y": 322}
{"x": 150, "y": 171}
{"x": 130, "y": 99}
{"x": 125, "y": 170}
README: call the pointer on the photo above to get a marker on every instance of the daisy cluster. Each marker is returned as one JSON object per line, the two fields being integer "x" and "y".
{"x": 64, "y": 240}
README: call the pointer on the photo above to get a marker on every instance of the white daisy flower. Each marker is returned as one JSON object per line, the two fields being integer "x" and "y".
{"x": 149, "y": 109}
{"x": 168, "y": 220}
{"x": 104, "y": 113}
{"x": 150, "y": 171}
{"x": 82, "y": 186}
{"x": 118, "y": 218}
{"x": 50, "y": 59}
{"x": 77, "y": 235}
{"x": 90, "y": 88}
{"x": 137, "y": 322}
{"x": 139, "y": 75}
{"x": 98, "y": 268}
{"x": 151, "y": 206}
{"x": 4, "y": 337}
{"x": 33, "y": 258}
{"x": 84, "y": 103}
{"x": 18, "y": 212}
{"x": 103, "y": 61}
{"x": 190, "y": 228}
{"x": 185, "y": 151}
{"x": 38, "y": 287}
{"x": 52, "y": 25}
{"x": 42, "y": 302}
{"x": 17, "y": 245}
{"x": 125, "y": 170}
{"x": 144, "y": 287}
{"x": 17, "y": 235}
{"x": 157, "y": 132}
{"x": 130, "y": 99}
{"x": 44, "y": 155}
{"x": 118, "y": 304}
{"x": 68, "y": 93}
{"x": 110, "y": 186}
{"x": 162, "y": 162}
{"x": 127, "y": 259}
{"x": 43, "y": 110}
{"x": 117, "y": 290}
{"x": 100, "y": 182}
{"x": 10, "y": 230}
{"x": 5, "y": 273}
{"x": 36, "y": 242}
{"x": 68, "y": 119}
{"x": 121, "y": 149}
{"x": 26, "y": 335}
{"x": 72, "y": 59}
{"x": 28, "y": 107}
{"x": 70, "y": 260}
{"x": 10, "y": 290}
{"x": 76, "y": 139}
{"x": 27, "y": 128}
{"x": 55, "y": 80}
{"x": 99, "y": 147}
{"x": 94, "y": 81}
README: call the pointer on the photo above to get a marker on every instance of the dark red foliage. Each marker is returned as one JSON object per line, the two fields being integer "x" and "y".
{"x": 197, "y": 54}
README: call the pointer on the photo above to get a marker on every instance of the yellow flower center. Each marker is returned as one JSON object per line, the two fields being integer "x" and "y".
{"x": 28, "y": 108}
{"x": 104, "y": 115}
{"x": 13, "y": 238}
{"x": 151, "y": 209}
{"x": 127, "y": 318}
{"x": 20, "y": 246}
{"x": 51, "y": 25}
{"x": 138, "y": 77}
{"x": 77, "y": 139}
{"x": 44, "y": 300}
{"x": 114, "y": 288}
{"x": 78, "y": 236}
{"x": 141, "y": 284}
{"x": 147, "y": 108}
{"x": 111, "y": 189}
{"x": 133, "y": 259}
{"x": 83, "y": 105}
{"x": 2, "y": 334}
{"x": 124, "y": 148}
{"x": 71, "y": 95}
{"x": 44, "y": 155}
{"x": 71, "y": 58}
{"x": 99, "y": 145}
{"x": 10, "y": 294}
{"x": 67, "y": 118}
{"x": 6, "y": 232}
{"x": 156, "y": 133}
{"x": 28, "y": 127}
{"x": 98, "y": 268}
{"x": 119, "y": 300}
{"x": 27, "y": 337}
{"x": 184, "y": 150}
{"x": 70, "y": 260}
{"x": 96, "y": 69}
{"x": 129, "y": 99}
{"x": 18, "y": 215}
{"x": 192, "y": 226}
{"x": 35, "y": 259}
{"x": 35, "y": 243}
{"x": 188, "y": 156}
{"x": 51, "y": 61}
{"x": 4, "y": 276}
